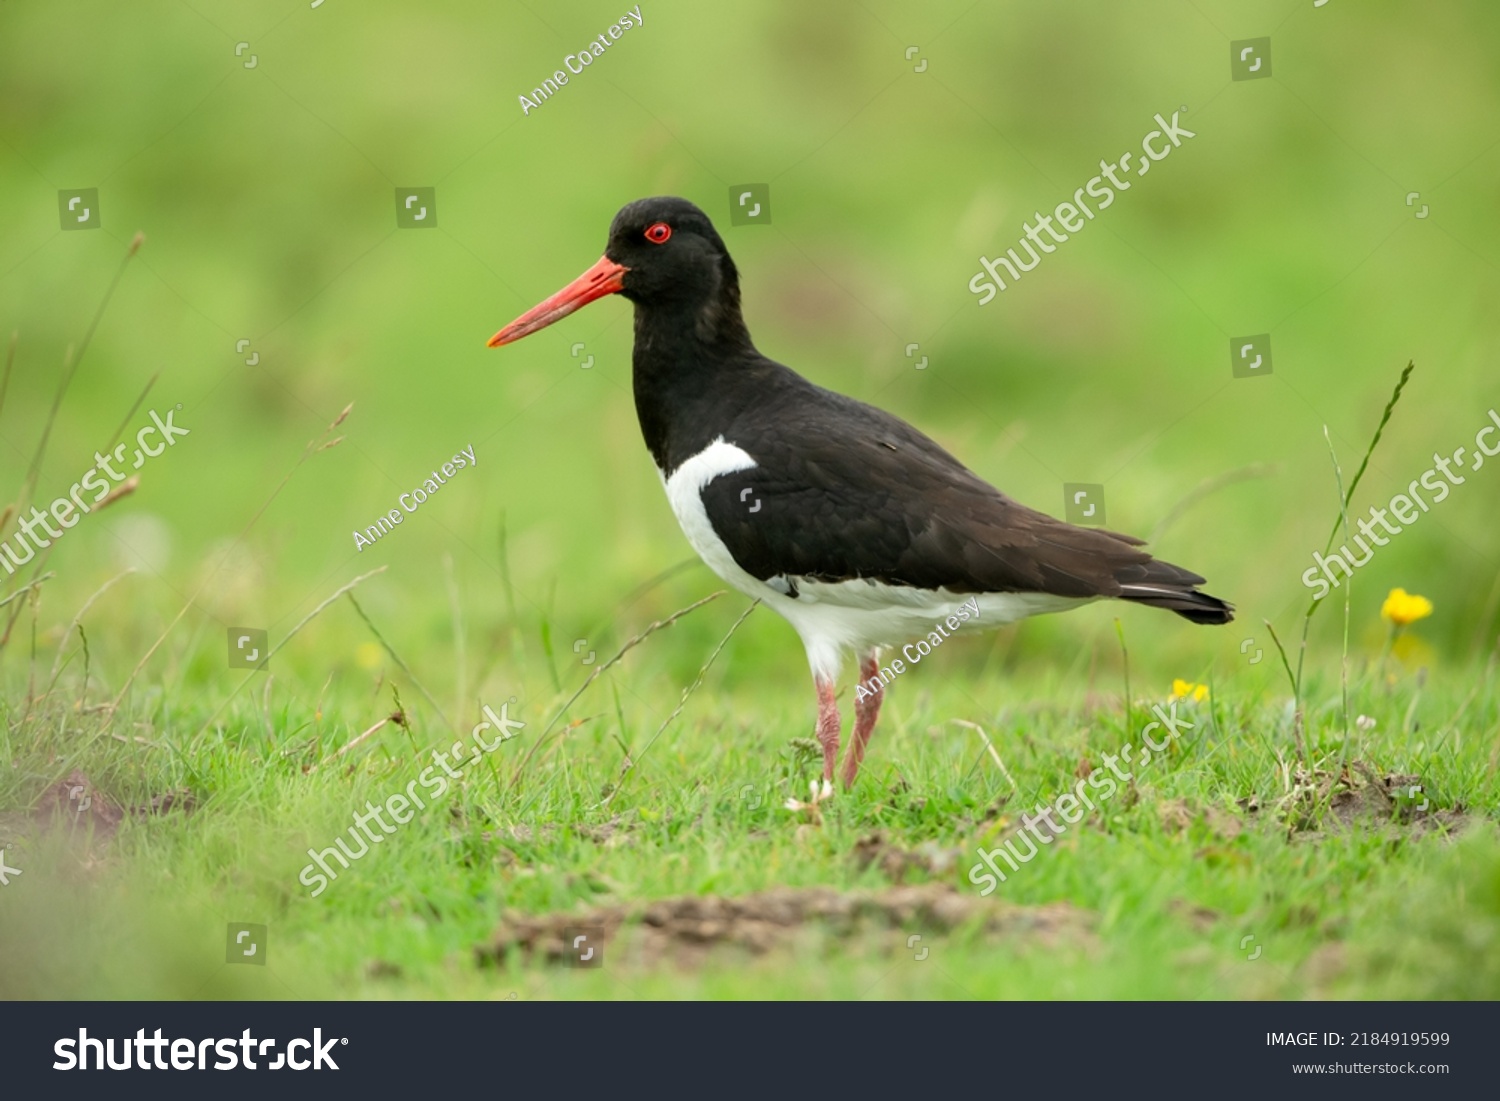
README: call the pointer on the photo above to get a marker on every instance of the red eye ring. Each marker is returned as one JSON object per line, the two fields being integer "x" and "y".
{"x": 657, "y": 234}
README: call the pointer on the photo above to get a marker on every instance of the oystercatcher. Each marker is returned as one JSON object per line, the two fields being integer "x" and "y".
{"x": 855, "y": 527}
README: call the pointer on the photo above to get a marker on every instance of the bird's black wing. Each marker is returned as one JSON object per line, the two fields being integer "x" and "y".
{"x": 847, "y": 491}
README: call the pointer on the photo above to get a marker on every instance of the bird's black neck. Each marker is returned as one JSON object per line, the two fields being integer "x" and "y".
{"x": 690, "y": 362}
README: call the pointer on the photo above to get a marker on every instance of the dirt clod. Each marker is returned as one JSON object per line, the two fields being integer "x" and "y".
{"x": 1201, "y": 918}
{"x": 75, "y": 803}
{"x": 929, "y": 857}
{"x": 1358, "y": 797}
{"x": 685, "y": 930}
{"x": 179, "y": 799}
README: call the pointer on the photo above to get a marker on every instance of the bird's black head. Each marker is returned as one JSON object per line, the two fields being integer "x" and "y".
{"x": 665, "y": 256}
{"x": 674, "y": 255}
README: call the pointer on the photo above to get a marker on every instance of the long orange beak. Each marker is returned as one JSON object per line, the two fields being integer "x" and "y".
{"x": 601, "y": 279}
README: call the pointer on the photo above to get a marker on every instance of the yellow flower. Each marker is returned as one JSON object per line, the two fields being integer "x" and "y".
{"x": 1402, "y": 607}
{"x": 1182, "y": 689}
{"x": 367, "y": 655}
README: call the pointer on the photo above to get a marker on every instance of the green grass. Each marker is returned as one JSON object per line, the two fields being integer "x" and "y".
{"x": 1170, "y": 875}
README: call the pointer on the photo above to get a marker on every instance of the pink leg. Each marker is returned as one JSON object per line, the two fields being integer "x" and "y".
{"x": 828, "y": 726}
{"x": 866, "y": 711}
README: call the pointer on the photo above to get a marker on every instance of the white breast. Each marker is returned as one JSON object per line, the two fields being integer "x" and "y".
{"x": 685, "y": 494}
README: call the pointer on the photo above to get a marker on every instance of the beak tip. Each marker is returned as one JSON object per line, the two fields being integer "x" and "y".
{"x": 601, "y": 279}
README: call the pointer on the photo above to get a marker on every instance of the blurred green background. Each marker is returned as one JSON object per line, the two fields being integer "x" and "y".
{"x": 266, "y": 195}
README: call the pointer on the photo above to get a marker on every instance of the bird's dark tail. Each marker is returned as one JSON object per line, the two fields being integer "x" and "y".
{"x": 1188, "y": 603}
{"x": 1162, "y": 585}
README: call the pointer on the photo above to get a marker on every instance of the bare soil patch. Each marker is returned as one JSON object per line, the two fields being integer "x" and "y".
{"x": 686, "y": 930}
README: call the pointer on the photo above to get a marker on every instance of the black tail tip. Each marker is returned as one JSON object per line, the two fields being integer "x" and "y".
{"x": 1190, "y": 604}
{"x": 1213, "y": 612}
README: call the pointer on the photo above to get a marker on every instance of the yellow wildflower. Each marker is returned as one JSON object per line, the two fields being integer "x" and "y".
{"x": 1181, "y": 689}
{"x": 1403, "y": 608}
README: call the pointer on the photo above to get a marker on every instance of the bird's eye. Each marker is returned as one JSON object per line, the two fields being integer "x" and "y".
{"x": 659, "y": 233}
